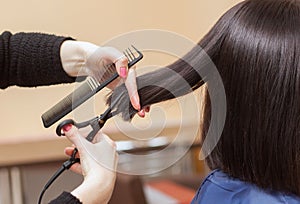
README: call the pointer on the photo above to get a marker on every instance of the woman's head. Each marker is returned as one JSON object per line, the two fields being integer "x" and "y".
{"x": 255, "y": 47}
{"x": 258, "y": 58}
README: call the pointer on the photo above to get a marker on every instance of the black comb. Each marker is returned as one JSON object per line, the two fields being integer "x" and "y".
{"x": 84, "y": 92}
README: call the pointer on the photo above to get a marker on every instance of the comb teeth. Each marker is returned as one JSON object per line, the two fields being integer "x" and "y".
{"x": 128, "y": 55}
{"x": 132, "y": 59}
{"x": 93, "y": 83}
{"x": 84, "y": 92}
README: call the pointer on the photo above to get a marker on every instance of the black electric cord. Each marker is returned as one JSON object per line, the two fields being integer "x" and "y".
{"x": 65, "y": 166}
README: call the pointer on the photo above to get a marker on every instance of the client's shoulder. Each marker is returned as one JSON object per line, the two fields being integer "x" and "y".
{"x": 219, "y": 187}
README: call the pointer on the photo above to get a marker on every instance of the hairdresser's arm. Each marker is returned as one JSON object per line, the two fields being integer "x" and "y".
{"x": 34, "y": 59}
{"x": 31, "y": 59}
{"x": 99, "y": 176}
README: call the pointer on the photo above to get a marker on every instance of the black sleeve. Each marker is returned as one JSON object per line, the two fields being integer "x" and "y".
{"x": 31, "y": 59}
{"x": 65, "y": 197}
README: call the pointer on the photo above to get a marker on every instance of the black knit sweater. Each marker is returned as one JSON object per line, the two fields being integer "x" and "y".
{"x": 65, "y": 198}
{"x": 33, "y": 59}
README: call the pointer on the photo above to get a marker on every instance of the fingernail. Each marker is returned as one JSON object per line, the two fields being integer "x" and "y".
{"x": 67, "y": 127}
{"x": 147, "y": 109}
{"x": 123, "y": 72}
{"x": 136, "y": 103}
{"x": 142, "y": 113}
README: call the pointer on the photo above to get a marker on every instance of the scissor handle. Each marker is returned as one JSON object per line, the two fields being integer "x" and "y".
{"x": 59, "y": 128}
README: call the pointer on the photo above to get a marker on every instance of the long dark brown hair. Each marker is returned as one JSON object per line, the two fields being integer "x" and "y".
{"x": 255, "y": 47}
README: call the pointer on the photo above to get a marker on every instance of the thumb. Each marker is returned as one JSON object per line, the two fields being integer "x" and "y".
{"x": 73, "y": 135}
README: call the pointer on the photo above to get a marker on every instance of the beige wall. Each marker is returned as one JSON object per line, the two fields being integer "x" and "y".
{"x": 96, "y": 21}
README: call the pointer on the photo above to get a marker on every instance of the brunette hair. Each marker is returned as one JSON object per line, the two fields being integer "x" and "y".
{"x": 255, "y": 47}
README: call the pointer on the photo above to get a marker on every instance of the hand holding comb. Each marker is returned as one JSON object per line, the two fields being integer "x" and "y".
{"x": 85, "y": 91}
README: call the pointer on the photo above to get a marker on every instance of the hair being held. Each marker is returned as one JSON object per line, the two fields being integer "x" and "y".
{"x": 255, "y": 47}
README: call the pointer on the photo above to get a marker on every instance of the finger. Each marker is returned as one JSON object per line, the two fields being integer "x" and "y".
{"x": 119, "y": 59}
{"x": 122, "y": 66}
{"x": 76, "y": 168}
{"x": 69, "y": 152}
{"x": 131, "y": 86}
{"x": 147, "y": 109}
{"x": 71, "y": 132}
{"x": 142, "y": 113}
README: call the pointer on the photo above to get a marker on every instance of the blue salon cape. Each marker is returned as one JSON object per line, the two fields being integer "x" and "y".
{"x": 219, "y": 188}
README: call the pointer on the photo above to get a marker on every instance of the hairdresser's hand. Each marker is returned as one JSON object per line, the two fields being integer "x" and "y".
{"x": 98, "y": 163}
{"x": 86, "y": 59}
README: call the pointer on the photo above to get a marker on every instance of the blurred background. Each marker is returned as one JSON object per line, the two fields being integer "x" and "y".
{"x": 27, "y": 148}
